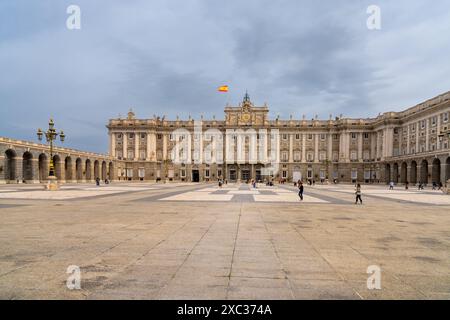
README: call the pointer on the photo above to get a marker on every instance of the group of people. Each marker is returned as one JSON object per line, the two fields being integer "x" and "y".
{"x": 301, "y": 189}
{"x": 97, "y": 181}
{"x": 420, "y": 186}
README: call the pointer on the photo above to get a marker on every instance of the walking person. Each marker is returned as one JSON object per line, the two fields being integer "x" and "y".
{"x": 358, "y": 194}
{"x": 406, "y": 185}
{"x": 97, "y": 181}
{"x": 391, "y": 185}
{"x": 300, "y": 190}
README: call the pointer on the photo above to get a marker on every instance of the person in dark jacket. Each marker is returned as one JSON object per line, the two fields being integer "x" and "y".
{"x": 358, "y": 194}
{"x": 300, "y": 190}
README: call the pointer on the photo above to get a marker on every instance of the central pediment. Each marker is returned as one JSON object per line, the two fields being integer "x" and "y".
{"x": 246, "y": 114}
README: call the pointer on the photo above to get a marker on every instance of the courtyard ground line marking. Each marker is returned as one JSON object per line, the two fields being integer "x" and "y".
{"x": 331, "y": 266}
{"x": 234, "y": 250}
{"x": 288, "y": 280}
{"x": 156, "y": 245}
{"x": 187, "y": 256}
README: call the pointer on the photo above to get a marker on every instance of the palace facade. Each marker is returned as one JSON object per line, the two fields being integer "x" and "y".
{"x": 411, "y": 145}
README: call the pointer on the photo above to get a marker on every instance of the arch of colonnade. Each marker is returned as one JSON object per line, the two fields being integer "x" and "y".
{"x": 27, "y": 162}
{"x": 419, "y": 170}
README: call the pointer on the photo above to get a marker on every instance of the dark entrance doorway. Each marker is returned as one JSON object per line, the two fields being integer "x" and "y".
{"x": 245, "y": 174}
{"x": 195, "y": 176}
{"x": 258, "y": 175}
{"x": 232, "y": 174}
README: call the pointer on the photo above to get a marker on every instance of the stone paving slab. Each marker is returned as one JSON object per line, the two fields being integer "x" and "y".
{"x": 135, "y": 245}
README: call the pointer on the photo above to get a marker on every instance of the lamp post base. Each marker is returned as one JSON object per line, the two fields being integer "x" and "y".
{"x": 52, "y": 184}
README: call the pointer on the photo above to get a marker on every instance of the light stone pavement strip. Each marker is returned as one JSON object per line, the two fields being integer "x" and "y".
{"x": 243, "y": 193}
{"x": 131, "y": 245}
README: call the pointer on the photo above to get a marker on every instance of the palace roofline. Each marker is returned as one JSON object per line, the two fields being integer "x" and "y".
{"x": 388, "y": 116}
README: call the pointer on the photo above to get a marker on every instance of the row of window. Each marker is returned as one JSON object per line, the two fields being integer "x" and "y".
{"x": 423, "y": 123}
{"x": 284, "y": 136}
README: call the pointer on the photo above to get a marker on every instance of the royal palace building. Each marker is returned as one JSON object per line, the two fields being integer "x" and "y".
{"x": 408, "y": 146}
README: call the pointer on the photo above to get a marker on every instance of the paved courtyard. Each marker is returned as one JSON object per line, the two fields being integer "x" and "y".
{"x": 199, "y": 241}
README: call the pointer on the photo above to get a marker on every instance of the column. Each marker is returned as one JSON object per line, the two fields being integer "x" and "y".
{"x": 388, "y": 142}
{"x": 200, "y": 144}
{"x": 347, "y": 146}
{"x": 417, "y": 137}
{"x": 91, "y": 169}
{"x": 112, "y": 150}
{"x": 2, "y": 173}
{"x": 266, "y": 146}
{"x": 124, "y": 145}
{"x": 438, "y": 132}
{"x": 62, "y": 164}
{"x": 253, "y": 156}
{"x": 35, "y": 166}
{"x": 164, "y": 146}
{"x": 83, "y": 170}
{"x": 303, "y": 147}
{"x": 19, "y": 169}
{"x": 427, "y": 136}
{"x": 291, "y": 147}
{"x": 343, "y": 146}
{"x": 373, "y": 145}
{"x": 385, "y": 147}
{"x": 379, "y": 145}
{"x": 360, "y": 146}
{"x": 136, "y": 145}
{"x": 153, "y": 146}
{"x": 149, "y": 147}
{"x": 407, "y": 140}
{"x": 330, "y": 147}
{"x": 74, "y": 169}
{"x": 316, "y": 147}
{"x": 240, "y": 148}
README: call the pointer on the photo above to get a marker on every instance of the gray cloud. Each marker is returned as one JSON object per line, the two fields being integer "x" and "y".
{"x": 168, "y": 57}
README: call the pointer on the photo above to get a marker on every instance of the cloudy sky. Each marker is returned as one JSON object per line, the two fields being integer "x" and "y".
{"x": 169, "y": 56}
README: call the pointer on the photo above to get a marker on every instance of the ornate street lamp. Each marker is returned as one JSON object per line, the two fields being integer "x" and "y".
{"x": 50, "y": 136}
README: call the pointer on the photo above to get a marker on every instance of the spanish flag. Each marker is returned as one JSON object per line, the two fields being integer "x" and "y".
{"x": 223, "y": 89}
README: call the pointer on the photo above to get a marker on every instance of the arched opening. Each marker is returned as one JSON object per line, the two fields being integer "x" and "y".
{"x": 387, "y": 174}
{"x": 10, "y": 166}
{"x": 43, "y": 167}
{"x": 395, "y": 173}
{"x": 103, "y": 170}
{"x": 403, "y": 173}
{"x": 436, "y": 171}
{"x": 424, "y": 172}
{"x": 27, "y": 167}
{"x": 447, "y": 169}
{"x": 111, "y": 171}
{"x": 88, "y": 170}
{"x": 57, "y": 166}
{"x": 413, "y": 173}
{"x": 68, "y": 168}
{"x": 79, "y": 169}
{"x": 96, "y": 169}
